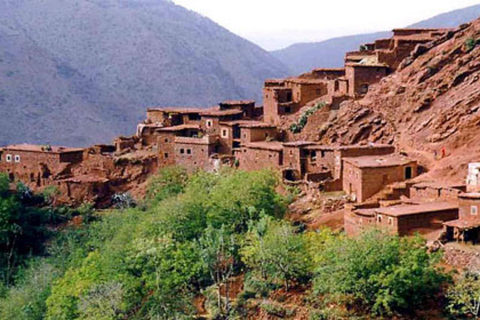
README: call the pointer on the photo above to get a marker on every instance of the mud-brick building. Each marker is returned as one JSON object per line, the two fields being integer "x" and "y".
{"x": 286, "y": 97}
{"x": 307, "y": 157}
{"x": 365, "y": 176}
{"x": 258, "y": 155}
{"x": 467, "y": 227}
{"x": 37, "y": 165}
{"x": 400, "y": 220}
{"x": 163, "y": 141}
{"x": 194, "y": 153}
{"x": 246, "y": 106}
{"x": 363, "y": 74}
{"x": 172, "y": 116}
{"x": 210, "y": 119}
{"x": 235, "y": 133}
{"x": 435, "y": 191}
{"x": 408, "y": 219}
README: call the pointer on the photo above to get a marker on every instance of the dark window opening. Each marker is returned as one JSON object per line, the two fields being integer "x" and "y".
{"x": 165, "y": 155}
{"x": 182, "y": 151}
{"x": 289, "y": 97}
{"x": 288, "y": 109}
{"x": 408, "y": 173}
{"x": 194, "y": 117}
{"x": 364, "y": 88}
{"x": 189, "y": 151}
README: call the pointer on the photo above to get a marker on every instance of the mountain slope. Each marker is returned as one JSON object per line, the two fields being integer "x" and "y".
{"x": 431, "y": 103}
{"x": 78, "y": 72}
{"x": 304, "y": 57}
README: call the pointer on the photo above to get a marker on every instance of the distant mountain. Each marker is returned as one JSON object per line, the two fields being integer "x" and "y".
{"x": 303, "y": 57}
{"x": 77, "y": 72}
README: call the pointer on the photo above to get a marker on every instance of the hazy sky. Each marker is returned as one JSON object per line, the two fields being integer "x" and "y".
{"x": 274, "y": 24}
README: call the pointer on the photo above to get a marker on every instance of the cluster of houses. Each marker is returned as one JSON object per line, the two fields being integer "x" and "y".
{"x": 242, "y": 135}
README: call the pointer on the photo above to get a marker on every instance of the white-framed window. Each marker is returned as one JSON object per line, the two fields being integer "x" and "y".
{"x": 390, "y": 221}
{"x": 379, "y": 218}
{"x": 17, "y": 158}
{"x": 224, "y": 133}
{"x": 474, "y": 210}
{"x": 9, "y": 158}
{"x": 209, "y": 123}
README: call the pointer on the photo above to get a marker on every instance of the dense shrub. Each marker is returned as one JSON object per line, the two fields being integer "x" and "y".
{"x": 378, "y": 273}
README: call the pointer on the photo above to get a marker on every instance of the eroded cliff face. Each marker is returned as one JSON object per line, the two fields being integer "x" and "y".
{"x": 431, "y": 103}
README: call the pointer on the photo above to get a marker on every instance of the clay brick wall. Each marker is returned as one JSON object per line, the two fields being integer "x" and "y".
{"x": 356, "y": 151}
{"x": 430, "y": 193}
{"x": 364, "y": 183}
{"x": 193, "y": 154}
{"x": 319, "y": 159}
{"x": 257, "y": 134}
{"x": 325, "y": 73}
{"x": 291, "y": 155}
{"x": 226, "y": 139}
{"x": 361, "y": 77}
{"x": 36, "y": 167}
{"x": 469, "y": 209}
{"x": 166, "y": 148}
{"x": 355, "y": 224}
{"x": 250, "y": 159}
{"x": 408, "y": 224}
{"x": 305, "y": 92}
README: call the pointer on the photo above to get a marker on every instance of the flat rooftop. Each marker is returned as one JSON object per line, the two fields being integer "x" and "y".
{"x": 237, "y": 102}
{"x": 41, "y": 148}
{"x": 463, "y": 224}
{"x": 180, "y": 110}
{"x": 407, "y": 210}
{"x": 263, "y": 145}
{"x": 221, "y": 113}
{"x": 180, "y": 128}
{"x": 379, "y": 161}
{"x": 471, "y": 195}
{"x": 438, "y": 185}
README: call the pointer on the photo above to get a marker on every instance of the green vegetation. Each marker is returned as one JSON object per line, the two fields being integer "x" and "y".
{"x": 377, "y": 273}
{"x": 198, "y": 235}
{"x": 464, "y": 296}
{"x": 471, "y": 43}
{"x": 302, "y": 122}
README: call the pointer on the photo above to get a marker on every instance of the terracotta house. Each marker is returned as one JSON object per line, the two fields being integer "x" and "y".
{"x": 363, "y": 177}
{"x": 258, "y": 155}
{"x": 33, "y": 164}
{"x": 467, "y": 227}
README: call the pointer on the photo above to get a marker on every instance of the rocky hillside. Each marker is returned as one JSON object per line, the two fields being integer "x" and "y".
{"x": 303, "y": 57}
{"x": 78, "y": 72}
{"x": 432, "y": 102}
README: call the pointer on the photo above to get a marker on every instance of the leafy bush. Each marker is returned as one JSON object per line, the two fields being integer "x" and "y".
{"x": 378, "y": 273}
{"x": 471, "y": 43}
{"x": 275, "y": 252}
{"x": 464, "y": 296}
{"x": 302, "y": 122}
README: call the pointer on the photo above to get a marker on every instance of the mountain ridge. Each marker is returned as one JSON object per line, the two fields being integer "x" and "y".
{"x": 88, "y": 70}
{"x": 303, "y": 57}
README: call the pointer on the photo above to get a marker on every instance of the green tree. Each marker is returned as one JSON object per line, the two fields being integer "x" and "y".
{"x": 464, "y": 296}
{"x": 218, "y": 254}
{"x": 169, "y": 181}
{"x": 275, "y": 251}
{"x": 377, "y": 272}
